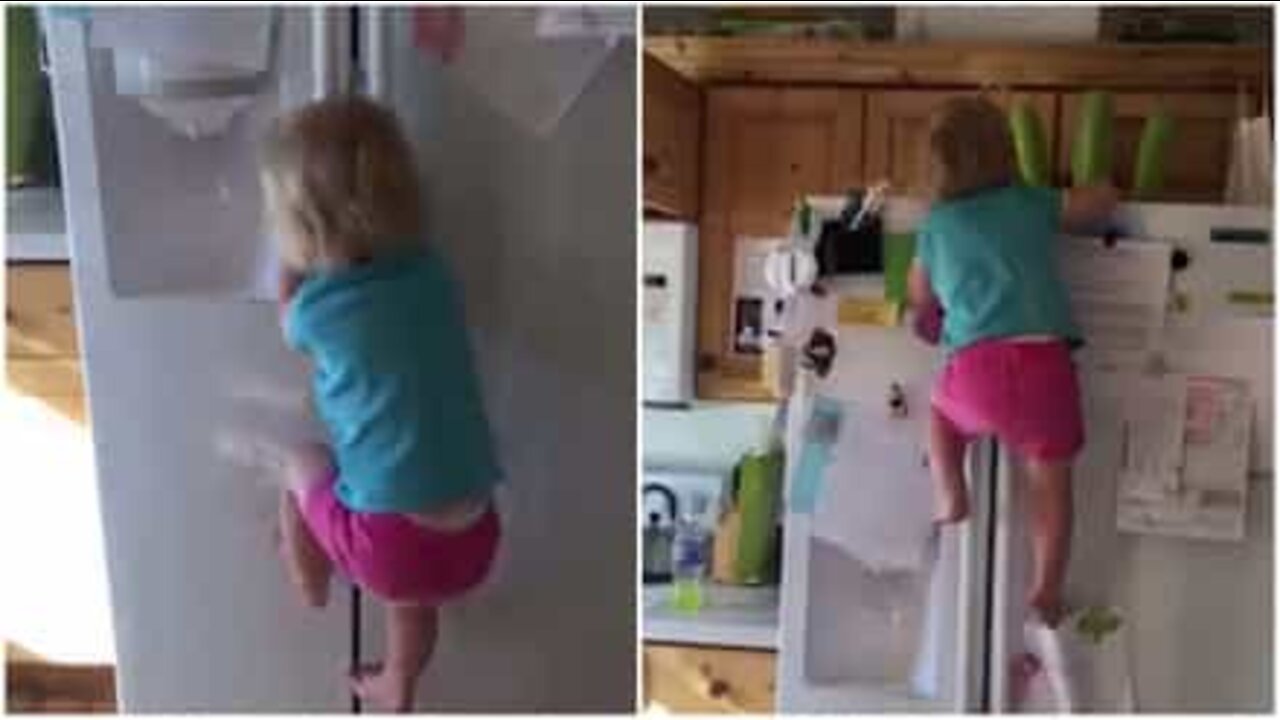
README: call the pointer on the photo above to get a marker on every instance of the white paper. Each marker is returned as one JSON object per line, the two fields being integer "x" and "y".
{"x": 577, "y": 21}
{"x": 1118, "y": 296}
{"x": 754, "y": 310}
{"x": 1080, "y": 674}
{"x": 877, "y": 500}
{"x": 1239, "y": 348}
{"x": 531, "y": 80}
{"x": 1210, "y": 499}
{"x": 220, "y": 36}
{"x": 1154, "y": 422}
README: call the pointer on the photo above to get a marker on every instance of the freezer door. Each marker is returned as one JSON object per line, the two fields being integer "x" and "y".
{"x": 181, "y": 393}
{"x": 861, "y": 637}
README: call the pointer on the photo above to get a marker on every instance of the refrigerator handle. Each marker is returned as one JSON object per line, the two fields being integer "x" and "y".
{"x": 322, "y": 54}
{"x": 375, "y": 52}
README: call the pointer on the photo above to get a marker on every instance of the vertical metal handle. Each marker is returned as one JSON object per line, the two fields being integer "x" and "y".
{"x": 322, "y": 53}
{"x": 375, "y": 52}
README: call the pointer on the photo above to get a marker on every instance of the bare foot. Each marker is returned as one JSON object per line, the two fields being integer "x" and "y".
{"x": 383, "y": 690}
{"x": 1022, "y": 668}
{"x": 951, "y": 507}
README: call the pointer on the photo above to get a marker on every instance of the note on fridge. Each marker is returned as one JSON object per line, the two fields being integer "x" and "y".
{"x": 1118, "y": 297}
{"x": 531, "y": 80}
{"x": 1154, "y": 421}
{"x": 1210, "y": 500}
{"x": 877, "y": 503}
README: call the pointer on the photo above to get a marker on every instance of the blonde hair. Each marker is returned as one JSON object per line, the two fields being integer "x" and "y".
{"x": 970, "y": 148}
{"x": 340, "y": 184}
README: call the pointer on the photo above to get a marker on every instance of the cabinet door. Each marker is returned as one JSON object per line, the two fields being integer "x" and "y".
{"x": 1198, "y": 156}
{"x": 672, "y": 133}
{"x": 764, "y": 149}
{"x": 898, "y": 131}
{"x": 689, "y": 679}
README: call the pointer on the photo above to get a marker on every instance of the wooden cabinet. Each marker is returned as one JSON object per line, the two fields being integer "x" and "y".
{"x": 764, "y": 149}
{"x": 1197, "y": 158}
{"x": 694, "y": 679}
{"x": 41, "y": 348}
{"x": 898, "y": 131}
{"x": 672, "y": 134}
{"x": 786, "y": 117}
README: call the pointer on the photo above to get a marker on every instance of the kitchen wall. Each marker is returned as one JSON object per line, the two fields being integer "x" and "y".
{"x": 709, "y": 436}
{"x": 1074, "y": 23}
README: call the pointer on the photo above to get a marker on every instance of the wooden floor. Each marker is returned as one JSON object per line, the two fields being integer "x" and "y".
{"x": 44, "y": 362}
{"x": 32, "y": 686}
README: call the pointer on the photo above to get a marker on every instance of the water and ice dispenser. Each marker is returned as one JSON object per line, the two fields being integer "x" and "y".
{"x": 180, "y": 98}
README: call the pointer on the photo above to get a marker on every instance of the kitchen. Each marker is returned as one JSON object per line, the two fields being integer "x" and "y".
{"x": 747, "y": 112}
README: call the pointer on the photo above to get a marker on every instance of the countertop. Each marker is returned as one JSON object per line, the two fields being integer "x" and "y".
{"x": 745, "y": 617}
{"x": 36, "y": 228}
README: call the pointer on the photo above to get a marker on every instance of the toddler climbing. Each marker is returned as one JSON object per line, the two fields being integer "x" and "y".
{"x": 400, "y": 499}
{"x": 985, "y": 253}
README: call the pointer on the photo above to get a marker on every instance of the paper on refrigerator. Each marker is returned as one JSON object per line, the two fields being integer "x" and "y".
{"x": 754, "y": 311}
{"x": 1118, "y": 296}
{"x": 876, "y": 502}
{"x": 1152, "y": 440}
{"x": 1209, "y": 498}
{"x": 531, "y": 79}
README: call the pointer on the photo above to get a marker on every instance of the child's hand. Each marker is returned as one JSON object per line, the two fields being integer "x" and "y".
{"x": 1088, "y": 207}
{"x": 286, "y": 285}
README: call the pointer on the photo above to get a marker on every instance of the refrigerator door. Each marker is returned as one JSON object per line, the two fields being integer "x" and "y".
{"x": 181, "y": 393}
{"x": 855, "y": 636}
{"x": 1196, "y": 615}
{"x": 540, "y": 232}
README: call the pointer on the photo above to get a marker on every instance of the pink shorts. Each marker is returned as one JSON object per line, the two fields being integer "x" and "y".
{"x": 396, "y": 558}
{"x": 1023, "y": 392}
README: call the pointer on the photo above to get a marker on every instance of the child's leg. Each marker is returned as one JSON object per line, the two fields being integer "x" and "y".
{"x": 1051, "y": 509}
{"x": 307, "y": 563}
{"x": 411, "y": 639}
{"x": 946, "y": 464}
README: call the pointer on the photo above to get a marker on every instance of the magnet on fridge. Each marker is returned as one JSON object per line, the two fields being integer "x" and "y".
{"x": 897, "y": 402}
{"x": 819, "y": 352}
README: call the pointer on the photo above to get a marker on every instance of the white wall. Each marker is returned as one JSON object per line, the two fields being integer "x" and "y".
{"x": 541, "y": 232}
{"x": 1030, "y": 23}
{"x": 705, "y": 436}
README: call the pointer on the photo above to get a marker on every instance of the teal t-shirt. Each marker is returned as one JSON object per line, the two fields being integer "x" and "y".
{"x": 394, "y": 383}
{"x": 992, "y": 263}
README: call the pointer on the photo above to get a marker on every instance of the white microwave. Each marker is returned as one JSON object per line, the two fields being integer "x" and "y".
{"x": 669, "y": 289}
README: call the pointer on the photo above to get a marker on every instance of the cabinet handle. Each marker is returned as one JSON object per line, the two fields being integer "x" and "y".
{"x": 707, "y": 362}
{"x": 650, "y": 165}
{"x": 717, "y": 688}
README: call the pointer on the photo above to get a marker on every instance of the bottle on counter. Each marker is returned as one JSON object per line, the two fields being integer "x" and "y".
{"x": 690, "y": 556}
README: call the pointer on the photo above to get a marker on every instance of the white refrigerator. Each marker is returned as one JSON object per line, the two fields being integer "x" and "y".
{"x": 186, "y": 368}
{"x": 938, "y": 634}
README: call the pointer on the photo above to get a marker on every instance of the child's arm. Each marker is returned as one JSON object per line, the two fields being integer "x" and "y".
{"x": 1088, "y": 207}
{"x": 919, "y": 293}
{"x": 928, "y": 316}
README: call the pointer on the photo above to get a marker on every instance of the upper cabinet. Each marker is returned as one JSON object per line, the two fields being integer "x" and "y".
{"x": 898, "y": 130}
{"x": 672, "y": 135}
{"x": 1196, "y": 159}
{"x": 737, "y": 129}
{"x": 765, "y": 148}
